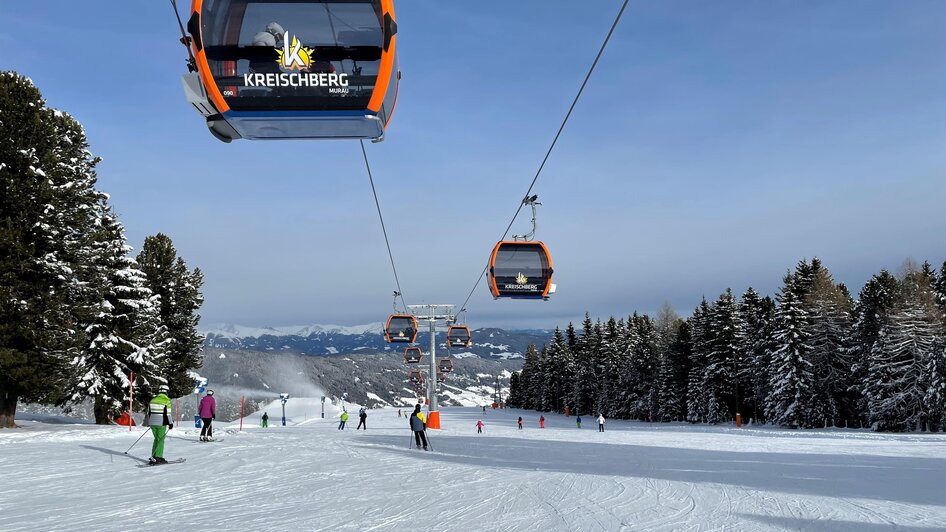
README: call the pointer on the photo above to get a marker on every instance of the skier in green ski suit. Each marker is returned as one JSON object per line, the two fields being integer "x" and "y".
{"x": 159, "y": 418}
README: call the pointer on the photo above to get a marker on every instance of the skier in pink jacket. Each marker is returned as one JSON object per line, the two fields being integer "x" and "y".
{"x": 208, "y": 413}
{"x": 479, "y": 426}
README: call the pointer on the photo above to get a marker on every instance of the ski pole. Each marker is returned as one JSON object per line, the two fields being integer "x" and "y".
{"x": 428, "y": 439}
{"x": 139, "y": 438}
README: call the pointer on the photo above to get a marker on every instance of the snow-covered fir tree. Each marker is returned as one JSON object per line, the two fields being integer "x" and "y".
{"x": 898, "y": 379}
{"x": 828, "y": 330}
{"x": 701, "y": 337}
{"x": 789, "y": 402}
{"x": 672, "y": 364}
{"x": 723, "y": 358}
{"x": 47, "y": 194}
{"x": 757, "y": 315}
{"x": 529, "y": 375}
{"x": 121, "y": 327}
{"x": 874, "y": 304}
{"x": 560, "y": 372}
{"x": 585, "y": 386}
{"x": 179, "y": 295}
{"x": 613, "y": 362}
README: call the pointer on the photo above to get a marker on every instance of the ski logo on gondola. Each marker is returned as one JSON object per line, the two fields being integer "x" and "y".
{"x": 297, "y": 59}
{"x": 522, "y": 284}
{"x": 293, "y": 55}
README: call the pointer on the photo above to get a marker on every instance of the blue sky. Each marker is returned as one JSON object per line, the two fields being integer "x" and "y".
{"x": 717, "y": 144}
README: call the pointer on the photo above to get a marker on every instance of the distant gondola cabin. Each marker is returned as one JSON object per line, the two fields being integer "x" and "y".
{"x": 413, "y": 355}
{"x": 459, "y": 336}
{"x": 445, "y": 365}
{"x": 401, "y": 328}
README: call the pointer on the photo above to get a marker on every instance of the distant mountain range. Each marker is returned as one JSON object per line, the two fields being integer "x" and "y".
{"x": 327, "y": 340}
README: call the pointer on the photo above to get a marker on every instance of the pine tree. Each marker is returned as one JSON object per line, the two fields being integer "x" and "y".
{"x": 585, "y": 384}
{"x": 898, "y": 378}
{"x": 757, "y": 315}
{"x": 611, "y": 364}
{"x": 935, "y": 376}
{"x": 671, "y": 365}
{"x": 789, "y": 401}
{"x": 701, "y": 336}
{"x": 528, "y": 376}
{"x": 874, "y": 304}
{"x": 47, "y": 191}
{"x": 514, "y": 400}
{"x": 828, "y": 330}
{"x": 560, "y": 372}
{"x": 122, "y": 329}
{"x": 180, "y": 298}
{"x": 723, "y": 358}
{"x": 939, "y": 288}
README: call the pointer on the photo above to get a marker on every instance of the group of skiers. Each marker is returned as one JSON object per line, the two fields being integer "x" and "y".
{"x": 159, "y": 417}
{"x": 362, "y": 419}
{"x": 479, "y": 423}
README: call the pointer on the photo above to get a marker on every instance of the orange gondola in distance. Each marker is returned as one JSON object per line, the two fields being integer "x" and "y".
{"x": 293, "y": 69}
{"x": 416, "y": 377}
{"x": 459, "y": 336}
{"x": 520, "y": 270}
{"x": 401, "y": 328}
{"x": 445, "y": 365}
{"x": 413, "y": 355}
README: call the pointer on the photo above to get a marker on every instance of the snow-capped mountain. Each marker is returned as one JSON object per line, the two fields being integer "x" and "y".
{"x": 490, "y": 343}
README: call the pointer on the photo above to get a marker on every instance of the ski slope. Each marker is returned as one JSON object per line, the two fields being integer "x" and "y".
{"x": 310, "y": 476}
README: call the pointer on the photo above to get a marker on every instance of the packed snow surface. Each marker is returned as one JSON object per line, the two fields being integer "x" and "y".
{"x": 311, "y": 476}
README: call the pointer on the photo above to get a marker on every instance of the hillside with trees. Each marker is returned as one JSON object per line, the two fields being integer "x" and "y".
{"x": 814, "y": 356}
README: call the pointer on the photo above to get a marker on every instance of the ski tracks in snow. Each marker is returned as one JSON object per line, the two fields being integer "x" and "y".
{"x": 634, "y": 477}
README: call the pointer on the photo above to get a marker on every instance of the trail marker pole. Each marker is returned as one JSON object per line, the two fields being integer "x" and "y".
{"x": 242, "y": 404}
{"x": 131, "y": 399}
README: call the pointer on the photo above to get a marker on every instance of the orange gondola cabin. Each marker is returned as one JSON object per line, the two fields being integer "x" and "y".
{"x": 413, "y": 355}
{"x": 401, "y": 328}
{"x": 293, "y": 69}
{"x": 459, "y": 336}
{"x": 520, "y": 270}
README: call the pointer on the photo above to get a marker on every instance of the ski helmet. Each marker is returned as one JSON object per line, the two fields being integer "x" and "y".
{"x": 210, "y": 392}
{"x": 163, "y": 388}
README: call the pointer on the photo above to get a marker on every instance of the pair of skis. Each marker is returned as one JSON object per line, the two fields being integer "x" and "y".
{"x": 169, "y": 462}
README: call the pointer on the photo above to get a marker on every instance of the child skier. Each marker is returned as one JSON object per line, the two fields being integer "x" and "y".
{"x": 578, "y": 421}
{"x": 600, "y": 422}
{"x": 208, "y": 413}
{"x": 541, "y": 422}
{"x": 159, "y": 417}
{"x": 479, "y": 426}
{"x": 265, "y": 420}
{"x": 520, "y": 422}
